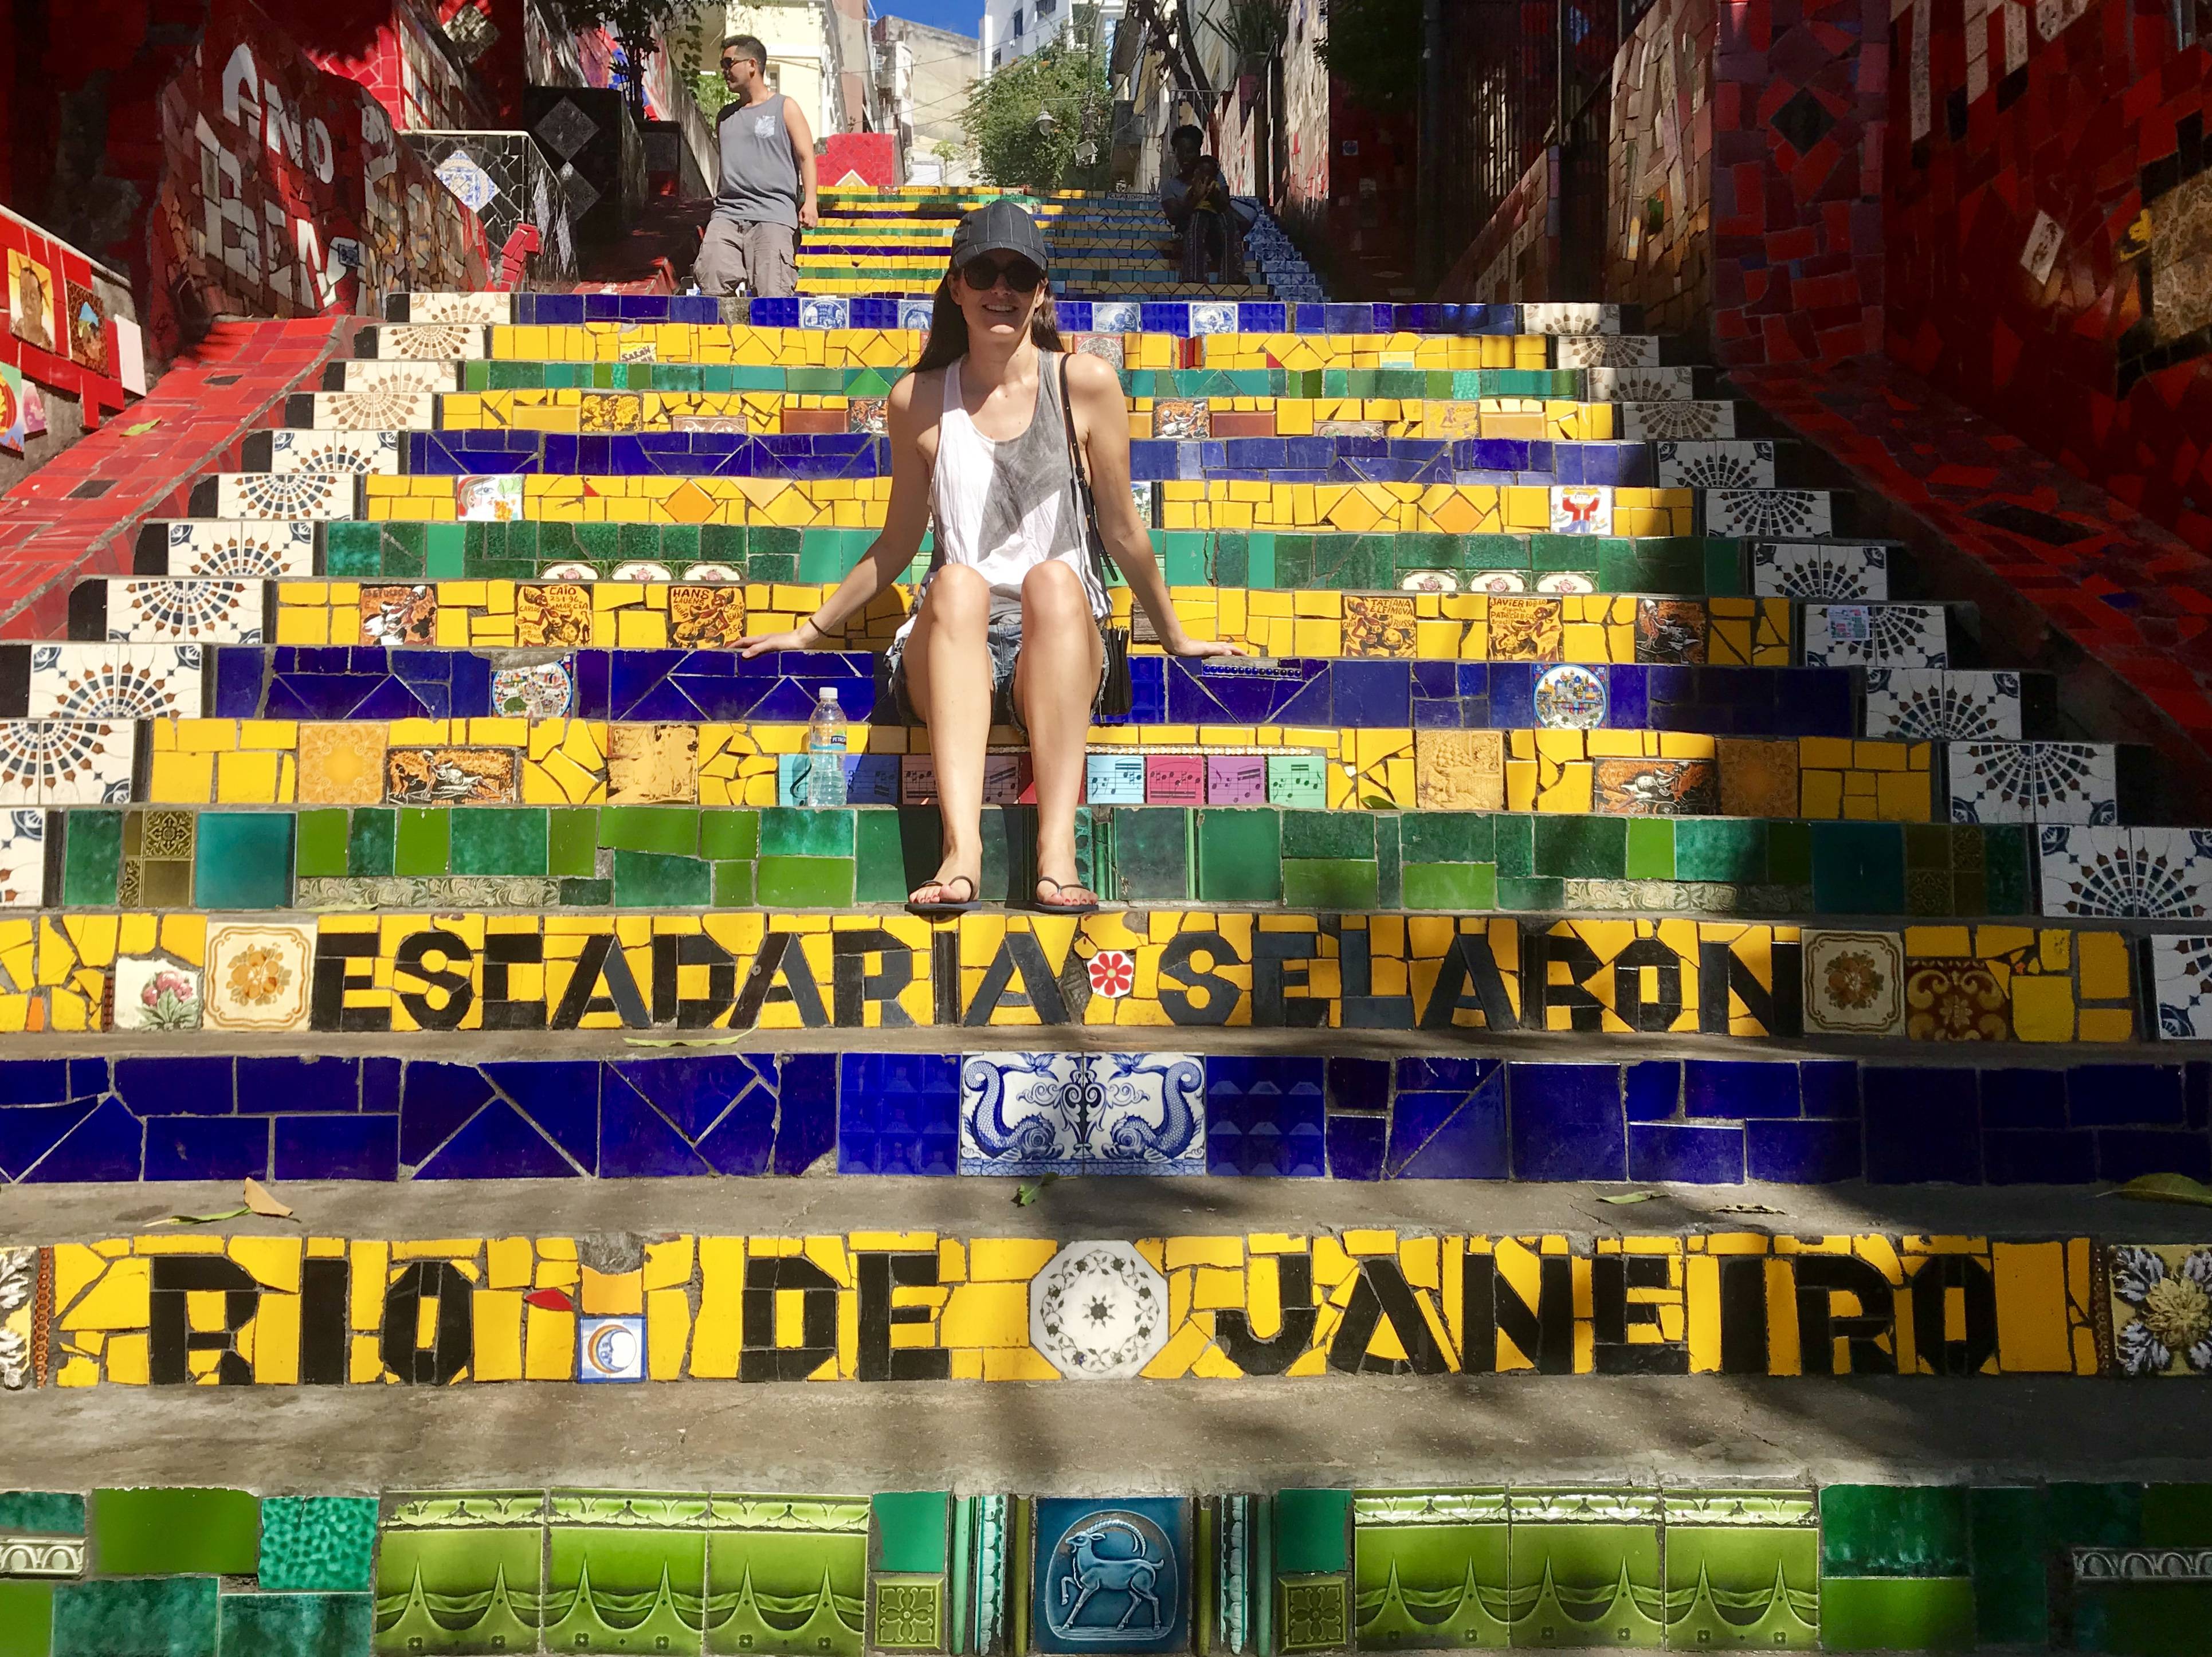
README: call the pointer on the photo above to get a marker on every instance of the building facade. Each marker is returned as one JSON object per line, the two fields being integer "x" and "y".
{"x": 924, "y": 77}
{"x": 1017, "y": 29}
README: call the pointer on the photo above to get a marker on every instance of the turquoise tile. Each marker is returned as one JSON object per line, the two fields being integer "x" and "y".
{"x": 298, "y": 1624}
{"x": 499, "y": 839}
{"x": 92, "y": 858}
{"x": 52, "y": 1512}
{"x": 160, "y": 1617}
{"x": 317, "y": 1542}
{"x": 243, "y": 860}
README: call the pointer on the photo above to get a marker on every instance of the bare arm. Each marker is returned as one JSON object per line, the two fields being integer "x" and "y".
{"x": 802, "y": 151}
{"x": 904, "y": 520}
{"x": 1101, "y": 424}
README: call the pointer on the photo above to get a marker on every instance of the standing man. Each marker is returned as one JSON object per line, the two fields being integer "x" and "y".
{"x": 766, "y": 192}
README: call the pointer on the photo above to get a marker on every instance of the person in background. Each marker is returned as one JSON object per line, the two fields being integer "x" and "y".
{"x": 1196, "y": 200}
{"x": 766, "y": 192}
{"x": 984, "y": 436}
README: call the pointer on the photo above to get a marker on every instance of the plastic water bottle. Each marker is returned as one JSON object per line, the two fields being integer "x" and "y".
{"x": 825, "y": 752}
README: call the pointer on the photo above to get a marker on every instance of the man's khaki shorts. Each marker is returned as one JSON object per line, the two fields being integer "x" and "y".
{"x": 764, "y": 257}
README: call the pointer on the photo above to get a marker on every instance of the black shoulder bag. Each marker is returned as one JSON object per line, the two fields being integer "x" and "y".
{"x": 1115, "y": 697}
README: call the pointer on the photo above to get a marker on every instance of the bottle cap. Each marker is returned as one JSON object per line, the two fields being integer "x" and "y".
{"x": 829, "y": 692}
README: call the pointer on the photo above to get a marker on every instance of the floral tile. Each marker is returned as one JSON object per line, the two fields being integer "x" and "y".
{"x": 2032, "y": 782}
{"x": 420, "y": 379}
{"x": 1819, "y": 569}
{"x": 1959, "y": 999}
{"x": 1678, "y": 420}
{"x": 342, "y": 764}
{"x": 240, "y": 549}
{"x": 115, "y": 682}
{"x": 152, "y": 994}
{"x": 1876, "y": 635}
{"x": 1716, "y": 465}
{"x": 2107, "y": 871}
{"x": 1570, "y": 319}
{"x": 22, "y": 858}
{"x": 201, "y": 610}
{"x": 1853, "y": 983}
{"x": 1778, "y": 512}
{"x": 378, "y": 411}
{"x": 433, "y": 342}
{"x": 352, "y": 451}
{"x": 1098, "y": 1311}
{"x": 2181, "y": 987}
{"x": 1641, "y": 384}
{"x": 2162, "y": 1308}
{"x": 258, "y": 975}
{"x": 483, "y": 309}
{"x": 1917, "y": 704}
{"x": 1606, "y": 351}
{"x": 66, "y": 761}
{"x": 1039, "y": 1113}
{"x": 291, "y": 497}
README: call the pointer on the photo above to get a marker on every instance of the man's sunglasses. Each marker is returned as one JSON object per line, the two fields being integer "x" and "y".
{"x": 732, "y": 63}
{"x": 982, "y": 275}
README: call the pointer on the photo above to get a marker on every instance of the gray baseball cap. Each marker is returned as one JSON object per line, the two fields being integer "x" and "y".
{"x": 999, "y": 226}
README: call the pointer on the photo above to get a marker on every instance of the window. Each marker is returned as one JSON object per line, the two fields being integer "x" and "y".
{"x": 1044, "y": 9}
{"x": 998, "y": 55}
{"x": 1014, "y": 25}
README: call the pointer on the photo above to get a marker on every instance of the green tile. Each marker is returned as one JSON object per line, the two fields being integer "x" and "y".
{"x": 593, "y": 894}
{"x": 655, "y": 880}
{"x": 1584, "y": 1565}
{"x": 500, "y": 840}
{"x": 734, "y": 885}
{"x": 2084, "y": 1515}
{"x": 673, "y": 829}
{"x": 1651, "y": 848}
{"x": 148, "y": 1532}
{"x": 1447, "y": 837}
{"x": 1514, "y": 845}
{"x": 92, "y": 858}
{"x": 323, "y": 1543}
{"x": 1330, "y": 883}
{"x": 879, "y": 864}
{"x": 1329, "y": 833}
{"x": 298, "y": 1624}
{"x": 243, "y": 860}
{"x": 499, "y": 1567}
{"x": 445, "y": 553}
{"x": 1389, "y": 863}
{"x": 1893, "y": 1530}
{"x": 370, "y": 841}
{"x": 572, "y": 840}
{"x": 2177, "y": 1516}
{"x": 1152, "y": 850}
{"x": 911, "y": 1530}
{"x": 800, "y": 832}
{"x": 2011, "y": 1547}
{"x": 172, "y": 1617}
{"x": 322, "y": 844}
{"x": 1789, "y": 853}
{"x": 1724, "y": 570}
{"x": 1530, "y": 894}
{"x": 1897, "y": 1613}
{"x": 606, "y": 1574}
{"x": 1311, "y": 1529}
{"x": 2145, "y": 1619}
{"x": 1731, "y": 851}
{"x": 1457, "y": 887}
{"x": 803, "y": 883}
{"x": 424, "y": 846}
{"x": 1240, "y": 856}
{"x": 27, "y": 1619}
{"x": 1767, "y": 1575}
{"x": 56, "y": 1513}
{"x": 1575, "y": 848}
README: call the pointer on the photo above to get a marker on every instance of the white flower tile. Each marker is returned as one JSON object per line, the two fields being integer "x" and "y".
{"x": 1559, "y": 318}
{"x": 1920, "y": 704}
{"x": 196, "y": 611}
{"x": 235, "y": 548}
{"x": 2181, "y": 987}
{"x": 1729, "y": 464}
{"x": 23, "y": 845}
{"x": 1691, "y": 421}
{"x": 1606, "y": 351}
{"x": 108, "y": 681}
{"x": 1675, "y": 385}
{"x": 360, "y": 374}
{"x": 1779, "y": 512}
{"x": 373, "y": 411}
{"x": 293, "y": 497}
{"x": 437, "y": 342}
{"x": 482, "y": 309}
{"x": 2108, "y": 872}
{"x": 66, "y": 761}
{"x": 2065, "y": 782}
{"x": 354, "y": 452}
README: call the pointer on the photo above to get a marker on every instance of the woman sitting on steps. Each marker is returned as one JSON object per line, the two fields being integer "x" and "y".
{"x": 1005, "y": 629}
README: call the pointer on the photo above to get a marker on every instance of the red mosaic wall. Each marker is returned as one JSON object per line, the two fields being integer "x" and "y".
{"x": 394, "y": 49}
{"x": 285, "y": 192}
{"x": 47, "y": 336}
{"x": 2049, "y": 205}
{"x": 1658, "y": 219}
{"x": 871, "y": 157}
{"x": 1517, "y": 256}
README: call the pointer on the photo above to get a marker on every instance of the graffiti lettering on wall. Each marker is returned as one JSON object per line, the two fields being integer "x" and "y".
{"x": 286, "y": 191}
{"x": 914, "y": 1306}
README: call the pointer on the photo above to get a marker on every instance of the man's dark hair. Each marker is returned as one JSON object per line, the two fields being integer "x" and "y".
{"x": 748, "y": 45}
{"x": 1176, "y": 136}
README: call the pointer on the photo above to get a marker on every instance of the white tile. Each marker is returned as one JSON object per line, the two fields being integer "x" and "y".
{"x": 160, "y": 609}
{"x": 447, "y": 342}
{"x": 1061, "y": 1113}
{"x": 1875, "y": 635}
{"x": 417, "y": 377}
{"x": 266, "y": 549}
{"x": 1726, "y": 465}
{"x": 1558, "y": 319}
{"x": 479, "y": 308}
{"x": 1919, "y": 704}
{"x": 1819, "y": 569}
{"x": 22, "y": 857}
{"x": 292, "y": 496}
{"x": 1676, "y": 384}
{"x": 109, "y": 681}
{"x": 2181, "y": 986}
{"x": 350, "y": 451}
{"x": 1782, "y": 513}
{"x": 1677, "y": 420}
{"x": 2065, "y": 782}
{"x": 368, "y": 410}
{"x": 1606, "y": 351}
{"x": 1581, "y": 509}
{"x": 66, "y": 762}
{"x": 2110, "y": 872}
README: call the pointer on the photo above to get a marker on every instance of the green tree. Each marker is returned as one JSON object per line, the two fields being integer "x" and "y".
{"x": 1029, "y": 119}
{"x": 1374, "y": 47}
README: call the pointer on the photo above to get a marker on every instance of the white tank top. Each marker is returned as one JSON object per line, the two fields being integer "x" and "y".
{"x": 1004, "y": 507}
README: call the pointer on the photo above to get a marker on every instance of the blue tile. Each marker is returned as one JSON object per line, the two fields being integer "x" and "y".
{"x": 1924, "y": 1123}
{"x": 2023, "y": 1099}
{"x": 1817, "y": 1152}
{"x": 898, "y": 1112}
{"x": 1356, "y": 1084}
{"x": 179, "y": 1087}
{"x": 207, "y": 1147}
{"x": 437, "y": 1100}
{"x": 636, "y": 1141}
{"x": 1829, "y": 1087}
{"x": 695, "y": 1093}
{"x": 1738, "y": 1088}
{"x": 379, "y": 1086}
{"x": 2098, "y": 1095}
{"x": 1567, "y": 1122}
{"x": 337, "y": 1148}
{"x": 2197, "y": 1092}
{"x": 806, "y": 1118}
{"x": 107, "y": 1144}
{"x": 2040, "y": 1157}
{"x": 1654, "y": 1089}
{"x": 1264, "y": 1116}
{"x": 1450, "y": 1133}
{"x": 88, "y": 1079}
{"x": 1691, "y": 1153}
{"x": 29, "y": 1132}
{"x": 299, "y": 1084}
{"x": 561, "y": 1097}
{"x": 497, "y": 1144}
{"x": 1356, "y": 1147}
{"x": 2124, "y": 1154}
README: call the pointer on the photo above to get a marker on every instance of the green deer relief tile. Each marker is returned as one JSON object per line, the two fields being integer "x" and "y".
{"x": 1430, "y": 1570}
{"x": 626, "y": 1572}
{"x": 786, "y": 1576}
{"x": 1586, "y": 1569}
{"x": 1743, "y": 1570}
{"x": 460, "y": 1574}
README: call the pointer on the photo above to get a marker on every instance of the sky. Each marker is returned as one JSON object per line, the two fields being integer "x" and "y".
{"x": 961, "y": 16}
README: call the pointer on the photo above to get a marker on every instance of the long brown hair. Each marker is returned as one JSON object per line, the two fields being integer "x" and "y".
{"x": 948, "y": 328}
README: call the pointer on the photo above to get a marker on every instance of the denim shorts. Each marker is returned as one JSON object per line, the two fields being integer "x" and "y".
{"x": 1004, "y": 641}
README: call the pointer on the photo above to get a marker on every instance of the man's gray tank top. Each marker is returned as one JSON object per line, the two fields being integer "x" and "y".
{"x": 760, "y": 176}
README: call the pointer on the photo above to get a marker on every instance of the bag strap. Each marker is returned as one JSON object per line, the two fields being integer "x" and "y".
{"x": 1102, "y": 561}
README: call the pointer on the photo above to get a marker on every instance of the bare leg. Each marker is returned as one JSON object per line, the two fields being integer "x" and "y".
{"x": 948, "y": 676}
{"x": 1055, "y": 681}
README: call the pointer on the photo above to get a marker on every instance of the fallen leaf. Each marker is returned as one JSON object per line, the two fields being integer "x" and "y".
{"x": 2166, "y": 1188}
{"x": 259, "y": 1199}
{"x": 1745, "y": 1208}
{"x": 1630, "y": 1197}
{"x": 549, "y": 1300}
{"x": 205, "y": 1219}
{"x": 141, "y": 429}
{"x": 1028, "y": 1194}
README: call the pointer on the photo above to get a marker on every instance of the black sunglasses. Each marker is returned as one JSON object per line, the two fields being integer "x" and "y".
{"x": 732, "y": 63}
{"x": 983, "y": 274}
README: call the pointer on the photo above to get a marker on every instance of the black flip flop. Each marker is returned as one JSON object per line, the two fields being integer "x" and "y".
{"x": 933, "y": 910}
{"x": 1045, "y": 908}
